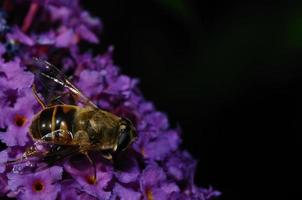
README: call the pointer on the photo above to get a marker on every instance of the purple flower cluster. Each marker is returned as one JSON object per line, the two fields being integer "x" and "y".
{"x": 153, "y": 168}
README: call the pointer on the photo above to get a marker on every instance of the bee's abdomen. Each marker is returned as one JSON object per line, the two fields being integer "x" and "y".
{"x": 52, "y": 119}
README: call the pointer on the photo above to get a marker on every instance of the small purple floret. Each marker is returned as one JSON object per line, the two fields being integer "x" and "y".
{"x": 40, "y": 185}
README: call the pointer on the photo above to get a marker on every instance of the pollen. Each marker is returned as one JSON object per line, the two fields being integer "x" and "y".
{"x": 20, "y": 120}
{"x": 38, "y": 186}
{"x": 143, "y": 151}
{"x": 91, "y": 180}
{"x": 149, "y": 194}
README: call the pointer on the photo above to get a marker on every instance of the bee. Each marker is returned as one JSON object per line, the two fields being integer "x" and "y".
{"x": 71, "y": 129}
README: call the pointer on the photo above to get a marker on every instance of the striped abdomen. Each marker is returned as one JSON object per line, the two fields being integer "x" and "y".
{"x": 52, "y": 119}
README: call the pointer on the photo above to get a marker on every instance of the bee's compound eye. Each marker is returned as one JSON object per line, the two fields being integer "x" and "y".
{"x": 124, "y": 138}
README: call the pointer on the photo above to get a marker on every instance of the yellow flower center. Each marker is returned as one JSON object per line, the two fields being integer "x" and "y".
{"x": 149, "y": 194}
{"x": 91, "y": 180}
{"x": 20, "y": 120}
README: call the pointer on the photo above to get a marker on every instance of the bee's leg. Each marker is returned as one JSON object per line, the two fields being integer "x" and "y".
{"x": 37, "y": 96}
{"x": 107, "y": 156}
{"x": 93, "y": 164}
{"x": 30, "y": 152}
{"x": 58, "y": 153}
{"x": 81, "y": 137}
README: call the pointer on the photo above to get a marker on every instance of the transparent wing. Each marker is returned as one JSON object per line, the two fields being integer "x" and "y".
{"x": 52, "y": 73}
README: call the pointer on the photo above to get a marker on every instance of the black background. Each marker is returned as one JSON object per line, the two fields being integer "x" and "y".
{"x": 228, "y": 72}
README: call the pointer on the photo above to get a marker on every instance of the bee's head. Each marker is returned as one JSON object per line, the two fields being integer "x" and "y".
{"x": 127, "y": 134}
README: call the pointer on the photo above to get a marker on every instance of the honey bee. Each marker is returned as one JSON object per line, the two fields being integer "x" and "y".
{"x": 74, "y": 129}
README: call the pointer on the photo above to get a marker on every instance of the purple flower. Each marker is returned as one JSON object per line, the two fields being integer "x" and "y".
{"x": 208, "y": 193}
{"x": 66, "y": 38}
{"x": 76, "y": 24}
{"x": 14, "y": 76}
{"x": 3, "y": 185}
{"x": 71, "y": 191}
{"x": 18, "y": 36}
{"x": 59, "y": 13}
{"x": 128, "y": 170}
{"x": 17, "y": 119}
{"x": 157, "y": 121}
{"x": 86, "y": 181}
{"x": 40, "y": 185}
{"x": 2, "y": 51}
{"x": 181, "y": 166}
{"x": 154, "y": 167}
{"x": 120, "y": 84}
{"x": 3, "y": 160}
{"x": 162, "y": 146}
{"x": 87, "y": 61}
{"x": 47, "y": 38}
{"x": 154, "y": 183}
{"x": 124, "y": 193}
{"x": 92, "y": 82}
{"x": 84, "y": 33}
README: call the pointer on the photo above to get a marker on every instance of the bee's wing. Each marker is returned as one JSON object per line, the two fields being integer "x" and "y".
{"x": 51, "y": 72}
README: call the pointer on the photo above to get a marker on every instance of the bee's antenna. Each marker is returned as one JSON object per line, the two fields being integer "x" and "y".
{"x": 33, "y": 87}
